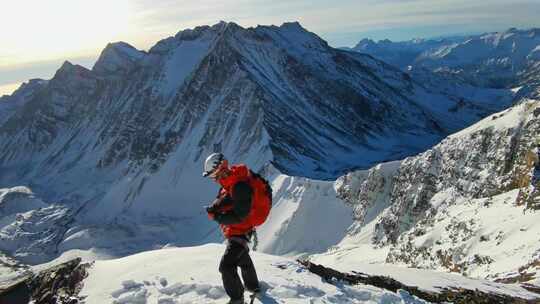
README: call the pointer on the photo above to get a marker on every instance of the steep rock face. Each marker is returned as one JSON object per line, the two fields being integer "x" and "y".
{"x": 468, "y": 204}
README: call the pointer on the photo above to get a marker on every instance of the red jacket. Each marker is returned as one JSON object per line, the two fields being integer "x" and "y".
{"x": 234, "y": 202}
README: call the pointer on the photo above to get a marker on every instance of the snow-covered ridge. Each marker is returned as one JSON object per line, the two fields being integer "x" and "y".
{"x": 154, "y": 277}
{"x": 467, "y": 205}
{"x": 508, "y": 119}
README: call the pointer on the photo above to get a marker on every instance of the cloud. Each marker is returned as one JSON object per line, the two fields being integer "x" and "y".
{"x": 7, "y": 89}
{"x": 332, "y": 19}
{"x": 40, "y": 69}
{"x": 342, "y": 22}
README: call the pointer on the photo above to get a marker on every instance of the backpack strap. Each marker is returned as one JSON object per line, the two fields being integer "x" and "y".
{"x": 268, "y": 188}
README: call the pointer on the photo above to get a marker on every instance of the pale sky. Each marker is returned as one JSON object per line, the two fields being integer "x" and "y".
{"x": 37, "y": 36}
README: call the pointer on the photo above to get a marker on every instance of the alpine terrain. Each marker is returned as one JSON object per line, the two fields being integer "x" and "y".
{"x": 369, "y": 164}
{"x": 499, "y": 59}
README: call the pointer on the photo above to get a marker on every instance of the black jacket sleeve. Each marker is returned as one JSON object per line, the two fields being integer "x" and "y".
{"x": 220, "y": 202}
{"x": 241, "y": 199}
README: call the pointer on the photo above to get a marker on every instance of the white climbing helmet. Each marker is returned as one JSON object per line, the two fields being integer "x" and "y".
{"x": 214, "y": 162}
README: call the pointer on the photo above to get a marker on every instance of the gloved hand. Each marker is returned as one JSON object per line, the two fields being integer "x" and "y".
{"x": 211, "y": 210}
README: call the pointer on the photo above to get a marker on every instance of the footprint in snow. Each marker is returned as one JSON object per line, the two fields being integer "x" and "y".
{"x": 205, "y": 290}
{"x": 131, "y": 292}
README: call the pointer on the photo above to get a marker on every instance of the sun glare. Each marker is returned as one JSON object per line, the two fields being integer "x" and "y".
{"x": 43, "y": 30}
{"x": 7, "y": 89}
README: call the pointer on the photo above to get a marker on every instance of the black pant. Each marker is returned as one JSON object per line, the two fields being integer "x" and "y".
{"x": 237, "y": 255}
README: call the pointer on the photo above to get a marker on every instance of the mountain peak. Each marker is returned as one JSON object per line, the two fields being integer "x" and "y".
{"x": 292, "y": 32}
{"x": 120, "y": 46}
{"x": 291, "y": 35}
{"x": 69, "y": 69}
{"x": 69, "y": 74}
{"x": 117, "y": 56}
{"x": 66, "y": 65}
{"x": 364, "y": 43}
{"x": 292, "y": 25}
{"x": 190, "y": 34}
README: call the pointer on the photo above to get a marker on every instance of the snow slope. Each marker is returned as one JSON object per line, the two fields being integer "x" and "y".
{"x": 299, "y": 206}
{"x": 468, "y": 205}
{"x": 189, "y": 275}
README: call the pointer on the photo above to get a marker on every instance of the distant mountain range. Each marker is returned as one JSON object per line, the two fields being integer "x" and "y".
{"x": 501, "y": 59}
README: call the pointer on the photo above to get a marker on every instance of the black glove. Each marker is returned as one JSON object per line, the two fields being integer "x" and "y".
{"x": 211, "y": 209}
{"x": 212, "y": 212}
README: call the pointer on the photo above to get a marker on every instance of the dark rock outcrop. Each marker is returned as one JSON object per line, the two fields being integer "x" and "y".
{"x": 57, "y": 285}
{"x": 456, "y": 296}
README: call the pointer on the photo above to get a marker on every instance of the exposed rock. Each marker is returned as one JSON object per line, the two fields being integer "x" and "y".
{"x": 57, "y": 285}
{"x": 457, "y": 296}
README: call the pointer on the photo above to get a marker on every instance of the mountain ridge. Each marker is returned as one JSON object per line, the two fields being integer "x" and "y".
{"x": 495, "y": 59}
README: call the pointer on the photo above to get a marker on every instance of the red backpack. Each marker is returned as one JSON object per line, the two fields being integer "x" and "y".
{"x": 262, "y": 199}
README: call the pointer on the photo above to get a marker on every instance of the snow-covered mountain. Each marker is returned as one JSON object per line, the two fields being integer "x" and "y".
{"x": 493, "y": 59}
{"x": 402, "y": 53}
{"x": 469, "y": 205}
{"x": 115, "y": 152}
